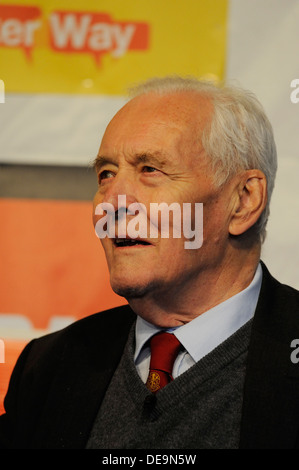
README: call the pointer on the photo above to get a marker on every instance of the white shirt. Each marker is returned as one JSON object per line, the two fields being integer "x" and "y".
{"x": 203, "y": 334}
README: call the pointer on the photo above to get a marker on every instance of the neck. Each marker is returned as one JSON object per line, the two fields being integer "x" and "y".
{"x": 176, "y": 305}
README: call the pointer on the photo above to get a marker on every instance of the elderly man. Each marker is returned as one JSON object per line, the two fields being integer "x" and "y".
{"x": 201, "y": 356}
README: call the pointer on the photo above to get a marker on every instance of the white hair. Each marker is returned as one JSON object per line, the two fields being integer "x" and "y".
{"x": 240, "y": 136}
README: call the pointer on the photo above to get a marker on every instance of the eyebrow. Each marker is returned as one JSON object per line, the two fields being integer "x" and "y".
{"x": 101, "y": 161}
{"x": 156, "y": 158}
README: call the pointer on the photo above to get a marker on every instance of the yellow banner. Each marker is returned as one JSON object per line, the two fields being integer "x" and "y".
{"x": 101, "y": 47}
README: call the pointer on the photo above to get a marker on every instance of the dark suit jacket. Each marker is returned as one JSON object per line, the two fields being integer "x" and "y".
{"x": 60, "y": 380}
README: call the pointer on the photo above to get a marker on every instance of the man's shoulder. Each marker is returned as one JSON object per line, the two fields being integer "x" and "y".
{"x": 270, "y": 403}
{"x": 278, "y": 307}
{"x": 95, "y": 333}
{"x": 52, "y": 372}
{"x": 279, "y": 292}
{"x": 114, "y": 318}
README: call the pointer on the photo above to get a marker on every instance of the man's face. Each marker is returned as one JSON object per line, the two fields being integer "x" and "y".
{"x": 151, "y": 153}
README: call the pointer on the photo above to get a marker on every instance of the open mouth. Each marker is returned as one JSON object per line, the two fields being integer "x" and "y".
{"x": 123, "y": 242}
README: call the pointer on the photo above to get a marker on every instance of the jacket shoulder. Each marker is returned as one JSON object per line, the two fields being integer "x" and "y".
{"x": 271, "y": 390}
{"x": 93, "y": 331}
{"x": 277, "y": 312}
{"x": 56, "y": 372}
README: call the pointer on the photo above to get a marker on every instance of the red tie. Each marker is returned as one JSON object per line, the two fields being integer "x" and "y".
{"x": 164, "y": 350}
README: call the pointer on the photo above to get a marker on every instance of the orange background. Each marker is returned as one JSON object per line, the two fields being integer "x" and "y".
{"x": 52, "y": 263}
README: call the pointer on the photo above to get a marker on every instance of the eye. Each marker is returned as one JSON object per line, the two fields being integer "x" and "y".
{"x": 149, "y": 169}
{"x": 104, "y": 175}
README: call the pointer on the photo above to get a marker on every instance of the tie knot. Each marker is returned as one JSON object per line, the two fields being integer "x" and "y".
{"x": 164, "y": 350}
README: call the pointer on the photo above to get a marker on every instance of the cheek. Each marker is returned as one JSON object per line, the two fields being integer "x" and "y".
{"x": 215, "y": 225}
{"x": 96, "y": 201}
{"x": 108, "y": 251}
{"x": 95, "y": 218}
{"x": 173, "y": 253}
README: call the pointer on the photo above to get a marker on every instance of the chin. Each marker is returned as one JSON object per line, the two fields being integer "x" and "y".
{"x": 133, "y": 290}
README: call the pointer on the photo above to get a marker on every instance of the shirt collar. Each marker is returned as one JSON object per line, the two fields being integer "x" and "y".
{"x": 222, "y": 321}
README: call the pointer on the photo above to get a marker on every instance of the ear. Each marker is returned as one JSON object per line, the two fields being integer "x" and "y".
{"x": 250, "y": 202}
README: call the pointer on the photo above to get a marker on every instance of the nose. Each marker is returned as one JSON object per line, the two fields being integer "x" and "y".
{"x": 121, "y": 191}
